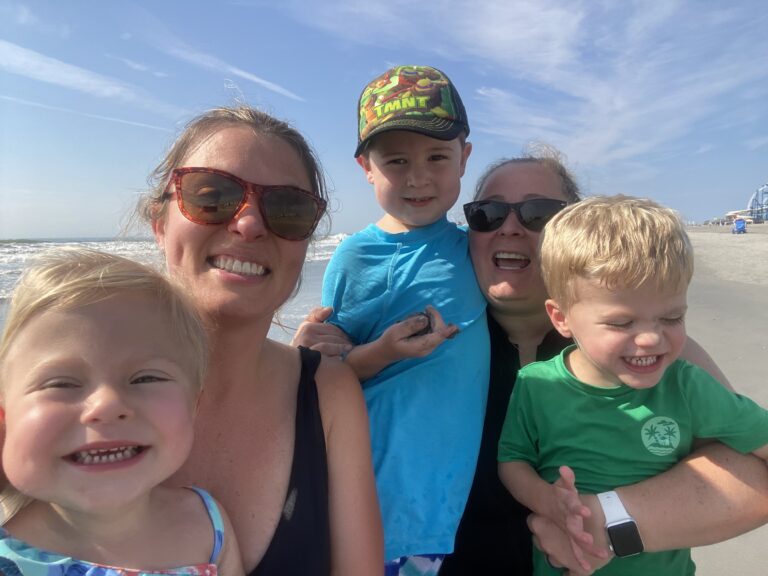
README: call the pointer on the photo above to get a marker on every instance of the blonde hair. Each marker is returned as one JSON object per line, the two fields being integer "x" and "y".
{"x": 620, "y": 241}
{"x": 70, "y": 278}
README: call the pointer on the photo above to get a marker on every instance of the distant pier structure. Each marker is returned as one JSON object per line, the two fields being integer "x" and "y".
{"x": 758, "y": 204}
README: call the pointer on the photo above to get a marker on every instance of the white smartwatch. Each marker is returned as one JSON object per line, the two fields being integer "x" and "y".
{"x": 621, "y": 527}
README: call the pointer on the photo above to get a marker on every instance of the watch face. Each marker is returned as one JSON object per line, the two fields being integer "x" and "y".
{"x": 625, "y": 539}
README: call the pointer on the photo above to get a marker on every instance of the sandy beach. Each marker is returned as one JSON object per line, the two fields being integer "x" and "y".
{"x": 728, "y": 316}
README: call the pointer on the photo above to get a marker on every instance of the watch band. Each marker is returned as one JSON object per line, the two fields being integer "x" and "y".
{"x": 623, "y": 535}
{"x": 613, "y": 508}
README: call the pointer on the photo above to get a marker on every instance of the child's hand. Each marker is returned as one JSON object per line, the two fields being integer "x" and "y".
{"x": 416, "y": 336}
{"x": 314, "y": 333}
{"x": 399, "y": 341}
{"x": 571, "y": 513}
{"x": 556, "y": 544}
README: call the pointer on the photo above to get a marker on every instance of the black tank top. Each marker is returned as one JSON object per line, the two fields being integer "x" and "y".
{"x": 302, "y": 541}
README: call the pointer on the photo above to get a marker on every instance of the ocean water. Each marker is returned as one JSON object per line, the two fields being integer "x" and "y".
{"x": 15, "y": 253}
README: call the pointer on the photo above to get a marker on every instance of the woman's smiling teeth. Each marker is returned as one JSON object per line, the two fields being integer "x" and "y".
{"x": 106, "y": 455}
{"x": 238, "y": 267}
{"x": 511, "y": 260}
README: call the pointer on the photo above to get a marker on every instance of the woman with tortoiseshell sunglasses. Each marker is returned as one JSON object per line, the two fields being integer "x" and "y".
{"x": 281, "y": 437}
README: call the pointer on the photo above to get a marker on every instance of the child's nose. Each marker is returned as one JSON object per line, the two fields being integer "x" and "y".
{"x": 106, "y": 404}
{"x": 417, "y": 177}
{"x": 648, "y": 338}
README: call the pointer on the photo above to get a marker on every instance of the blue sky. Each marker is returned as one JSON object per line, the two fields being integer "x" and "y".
{"x": 662, "y": 99}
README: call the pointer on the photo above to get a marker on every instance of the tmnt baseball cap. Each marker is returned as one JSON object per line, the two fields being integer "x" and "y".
{"x": 417, "y": 98}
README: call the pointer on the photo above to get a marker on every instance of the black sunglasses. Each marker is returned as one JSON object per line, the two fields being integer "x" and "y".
{"x": 210, "y": 197}
{"x": 489, "y": 215}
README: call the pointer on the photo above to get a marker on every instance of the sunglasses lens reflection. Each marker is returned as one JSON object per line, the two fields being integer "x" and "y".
{"x": 534, "y": 214}
{"x": 291, "y": 213}
{"x": 486, "y": 216}
{"x": 210, "y": 198}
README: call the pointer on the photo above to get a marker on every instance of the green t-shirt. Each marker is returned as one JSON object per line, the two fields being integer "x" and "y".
{"x": 618, "y": 436}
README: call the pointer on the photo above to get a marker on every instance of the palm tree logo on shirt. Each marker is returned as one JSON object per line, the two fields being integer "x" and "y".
{"x": 661, "y": 435}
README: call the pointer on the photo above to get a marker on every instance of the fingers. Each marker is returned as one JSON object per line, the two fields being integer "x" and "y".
{"x": 305, "y": 334}
{"x": 435, "y": 316}
{"x": 446, "y": 331}
{"x": 575, "y": 526}
{"x": 556, "y": 545}
{"x": 312, "y": 334}
{"x": 416, "y": 336}
{"x": 336, "y": 350}
{"x": 412, "y": 327}
{"x": 319, "y": 314}
{"x": 574, "y": 513}
{"x": 547, "y": 537}
{"x": 579, "y": 555}
{"x": 450, "y": 331}
{"x": 419, "y": 346}
{"x": 574, "y": 523}
{"x": 568, "y": 494}
{"x": 568, "y": 476}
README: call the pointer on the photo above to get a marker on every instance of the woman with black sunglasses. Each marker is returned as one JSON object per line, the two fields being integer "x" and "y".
{"x": 514, "y": 199}
{"x": 281, "y": 435}
{"x": 493, "y": 536}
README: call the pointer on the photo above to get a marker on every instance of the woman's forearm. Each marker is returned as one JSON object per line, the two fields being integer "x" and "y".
{"x": 713, "y": 495}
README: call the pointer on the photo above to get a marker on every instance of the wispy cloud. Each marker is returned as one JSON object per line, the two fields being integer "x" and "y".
{"x": 158, "y": 35}
{"x": 23, "y": 15}
{"x": 138, "y": 66}
{"x": 606, "y": 81}
{"x": 755, "y": 143}
{"x": 84, "y": 114}
{"x": 15, "y": 59}
{"x": 178, "y": 49}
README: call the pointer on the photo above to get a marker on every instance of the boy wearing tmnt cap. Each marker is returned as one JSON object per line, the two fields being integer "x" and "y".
{"x": 404, "y": 291}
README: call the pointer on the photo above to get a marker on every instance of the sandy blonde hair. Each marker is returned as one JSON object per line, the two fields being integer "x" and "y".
{"x": 70, "y": 278}
{"x": 620, "y": 241}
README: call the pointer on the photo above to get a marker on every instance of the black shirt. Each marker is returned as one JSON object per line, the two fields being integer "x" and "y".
{"x": 493, "y": 536}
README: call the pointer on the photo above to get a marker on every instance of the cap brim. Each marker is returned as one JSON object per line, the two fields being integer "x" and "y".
{"x": 438, "y": 128}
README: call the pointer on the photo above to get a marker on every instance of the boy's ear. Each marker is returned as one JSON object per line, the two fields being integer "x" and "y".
{"x": 558, "y": 318}
{"x": 365, "y": 164}
{"x": 465, "y": 152}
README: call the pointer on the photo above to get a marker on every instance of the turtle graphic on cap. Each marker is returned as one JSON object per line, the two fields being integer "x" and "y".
{"x": 417, "y": 98}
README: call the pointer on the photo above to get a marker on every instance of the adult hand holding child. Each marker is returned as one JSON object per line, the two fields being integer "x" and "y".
{"x": 316, "y": 334}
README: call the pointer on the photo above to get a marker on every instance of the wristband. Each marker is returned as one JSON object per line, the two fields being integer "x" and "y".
{"x": 623, "y": 534}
